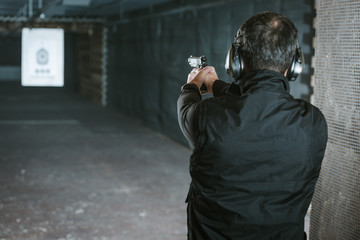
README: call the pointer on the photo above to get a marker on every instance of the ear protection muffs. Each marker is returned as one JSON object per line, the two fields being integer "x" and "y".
{"x": 297, "y": 65}
{"x": 234, "y": 63}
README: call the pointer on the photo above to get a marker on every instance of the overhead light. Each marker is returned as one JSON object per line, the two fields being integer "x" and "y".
{"x": 77, "y": 3}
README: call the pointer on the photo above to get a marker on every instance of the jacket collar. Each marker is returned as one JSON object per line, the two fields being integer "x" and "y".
{"x": 266, "y": 79}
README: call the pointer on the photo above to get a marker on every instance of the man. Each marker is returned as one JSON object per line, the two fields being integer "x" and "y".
{"x": 257, "y": 151}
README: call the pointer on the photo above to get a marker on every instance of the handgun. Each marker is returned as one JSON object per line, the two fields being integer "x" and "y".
{"x": 198, "y": 62}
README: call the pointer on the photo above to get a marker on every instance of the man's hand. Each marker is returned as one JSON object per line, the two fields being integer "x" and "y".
{"x": 205, "y": 76}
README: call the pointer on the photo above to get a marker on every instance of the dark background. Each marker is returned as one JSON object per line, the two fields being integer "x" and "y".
{"x": 148, "y": 57}
{"x": 148, "y": 51}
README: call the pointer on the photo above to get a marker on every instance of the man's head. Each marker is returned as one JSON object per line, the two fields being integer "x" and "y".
{"x": 267, "y": 41}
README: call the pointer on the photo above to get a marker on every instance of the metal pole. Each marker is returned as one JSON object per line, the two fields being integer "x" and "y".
{"x": 24, "y": 10}
{"x": 104, "y": 79}
{"x": 30, "y": 8}
{"x": 121, "y": 10}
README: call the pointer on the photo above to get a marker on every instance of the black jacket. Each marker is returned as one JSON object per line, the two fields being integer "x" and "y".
{"x": 256, "y": 157}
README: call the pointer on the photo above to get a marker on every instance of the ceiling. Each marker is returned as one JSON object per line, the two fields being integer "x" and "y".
{"x": 73, "y": 8}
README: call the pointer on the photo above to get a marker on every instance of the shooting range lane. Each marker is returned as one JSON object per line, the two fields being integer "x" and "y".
{"x": 70, "y": 169}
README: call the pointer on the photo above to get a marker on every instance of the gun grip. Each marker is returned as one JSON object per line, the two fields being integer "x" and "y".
{"x": 203, "y": 89}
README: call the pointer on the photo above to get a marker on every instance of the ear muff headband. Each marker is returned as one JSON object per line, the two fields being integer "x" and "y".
{"x": 234, "y": 63}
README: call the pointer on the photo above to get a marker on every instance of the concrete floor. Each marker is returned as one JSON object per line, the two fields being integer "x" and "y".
{"x": 71, "y": 169}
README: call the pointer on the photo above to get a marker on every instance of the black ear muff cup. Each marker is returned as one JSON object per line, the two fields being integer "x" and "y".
{"x": 297, "y": 65}
{"x": 234, "y": 64}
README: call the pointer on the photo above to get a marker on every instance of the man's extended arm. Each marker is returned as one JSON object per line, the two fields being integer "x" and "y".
{"x": 187, "y": 107}
{"x": 190, "y": 97}
{"x": 189, "y": 100}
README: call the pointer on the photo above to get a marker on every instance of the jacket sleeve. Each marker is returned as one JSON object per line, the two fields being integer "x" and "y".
{"x": 221, "y": 88}
{"x": 187, "y": 107}
{"x": 319, "y": 138}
